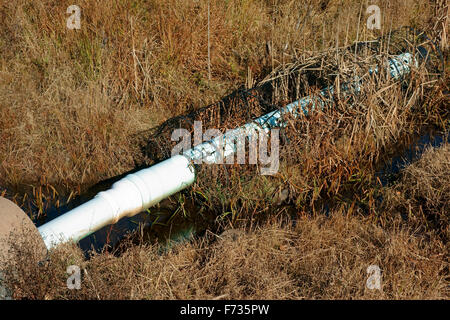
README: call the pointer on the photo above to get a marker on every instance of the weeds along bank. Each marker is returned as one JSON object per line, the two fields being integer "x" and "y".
{"x": 73, "y": 104}
{"x": 316, "y": 258}
{"x": 71, "y": 100}
{"x": 319, "y": 258}
{"x": 422, "y": 193}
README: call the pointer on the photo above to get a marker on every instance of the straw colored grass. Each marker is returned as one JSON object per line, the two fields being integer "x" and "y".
{"x": 423, "y": 193}
{"x": 75, "y": 106}
{"x": 71, "y": 99}
{"x": 320, "y": 258}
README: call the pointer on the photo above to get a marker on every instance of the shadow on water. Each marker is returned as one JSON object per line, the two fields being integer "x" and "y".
{"x": 178, "y": 218}
{"x": 390, "y": 170}
{"x": 172, "y": 220}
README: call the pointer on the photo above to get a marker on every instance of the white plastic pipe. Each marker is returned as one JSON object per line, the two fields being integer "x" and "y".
{"x": 127, "y": 197}
{"x": 220, "y": 147}
{"x": 139, "y": 191}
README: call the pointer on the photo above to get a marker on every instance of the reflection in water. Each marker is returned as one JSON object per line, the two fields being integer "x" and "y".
{"x": 177, "y": 218}
{"x": 408, "y": 154}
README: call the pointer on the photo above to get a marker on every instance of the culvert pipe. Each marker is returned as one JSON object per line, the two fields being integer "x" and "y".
{"x": 139, "y": 191}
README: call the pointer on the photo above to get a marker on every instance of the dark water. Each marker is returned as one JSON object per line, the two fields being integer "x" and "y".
{"x": 407, "y": 154}
{"x": 167, "y": 223}
{"x": 177, "y": 219}
{"x": 171, "y": 221}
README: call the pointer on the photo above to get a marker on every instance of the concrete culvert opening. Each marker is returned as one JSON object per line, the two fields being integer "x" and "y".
{"x": 16, "y": 231}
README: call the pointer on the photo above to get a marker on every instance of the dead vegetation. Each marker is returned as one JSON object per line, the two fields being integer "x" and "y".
{"x": 330, "y": 156}
{"x": 71, "y": 100}
{"x": 81, "y": 106}
{"x": 318, "y": 258}
{"x": 310, "y": 257}
{"x": 423, "y": 193}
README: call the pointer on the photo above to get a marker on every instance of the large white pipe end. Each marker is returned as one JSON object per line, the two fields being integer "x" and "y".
{"x": 127, "y": 197}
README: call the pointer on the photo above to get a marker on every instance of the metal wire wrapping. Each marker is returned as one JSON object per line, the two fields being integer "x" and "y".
{"x": 291, "y": 81}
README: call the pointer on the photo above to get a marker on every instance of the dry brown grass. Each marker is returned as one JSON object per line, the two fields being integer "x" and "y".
{"x": 332, "y": 155}
{"x": 72, "y": 103}
{"x": 71, "y": 100}
{"x": 309, "y": 258}
{"x": 320, "y": 258}
{"x": 423, "y": 193}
